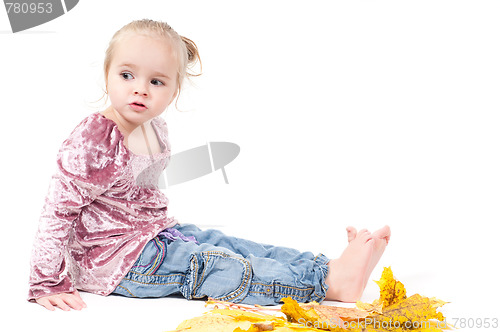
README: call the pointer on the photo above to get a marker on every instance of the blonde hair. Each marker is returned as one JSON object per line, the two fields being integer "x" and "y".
{"x": 185, "y": 48}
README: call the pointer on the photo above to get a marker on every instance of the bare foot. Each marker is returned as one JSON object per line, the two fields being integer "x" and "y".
{"x": 348, "y": 275}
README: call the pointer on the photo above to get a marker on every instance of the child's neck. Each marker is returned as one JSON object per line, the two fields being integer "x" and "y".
{"x": 133, "y": 135}
{"x": 124, "y": 127}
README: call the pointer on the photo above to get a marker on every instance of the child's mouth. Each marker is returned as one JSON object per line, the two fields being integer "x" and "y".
{"x": 138, "y": 106}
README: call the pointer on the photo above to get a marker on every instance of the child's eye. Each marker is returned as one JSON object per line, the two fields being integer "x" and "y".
{"x": 126, "y": 75}
{"x": 156, "y": 82}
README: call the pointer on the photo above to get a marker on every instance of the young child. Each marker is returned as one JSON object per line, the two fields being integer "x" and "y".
{"x": 104, "y": 226}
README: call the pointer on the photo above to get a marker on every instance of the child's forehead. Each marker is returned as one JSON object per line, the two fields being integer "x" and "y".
{"x": 144, "y": 40}
{"x": 144, "y": 50}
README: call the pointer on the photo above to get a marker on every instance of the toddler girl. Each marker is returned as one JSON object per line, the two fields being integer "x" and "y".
{"x": 104, "y": 226}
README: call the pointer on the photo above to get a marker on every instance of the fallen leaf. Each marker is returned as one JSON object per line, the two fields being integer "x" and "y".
{"x": 413, "y": 312}
{"x": 294, "y": 313}
{"x": 393, "y": 311}
{"x": 212, "y": 323}
{"x": 326, "y": 312}
{"x": 258, "y": 327}
{"x": 240, "y": 315}
{"x": 250, "y": 329}
{"x": 375, "y": 307}
{"x": 391, "y": 290}
{"x": 437, "y": 303}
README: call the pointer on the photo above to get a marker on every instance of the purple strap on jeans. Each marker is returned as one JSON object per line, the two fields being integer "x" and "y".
{"x": 173, "y": 234}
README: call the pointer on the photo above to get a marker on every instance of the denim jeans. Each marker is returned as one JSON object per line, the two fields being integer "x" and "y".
{"x": 225, "y": 268}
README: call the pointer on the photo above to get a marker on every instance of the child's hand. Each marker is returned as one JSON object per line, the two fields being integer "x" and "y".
{"x": 64, "y": 301}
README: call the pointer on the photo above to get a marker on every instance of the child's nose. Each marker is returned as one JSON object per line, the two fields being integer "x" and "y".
{"x": 141, "y": 89}
{"x": 141, "y": 93}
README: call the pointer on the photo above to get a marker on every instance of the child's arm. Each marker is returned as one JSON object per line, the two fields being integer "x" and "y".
{"x": 89, "y": 163}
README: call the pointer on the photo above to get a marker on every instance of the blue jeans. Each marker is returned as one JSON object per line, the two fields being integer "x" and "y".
{"x": 225, "y": 268}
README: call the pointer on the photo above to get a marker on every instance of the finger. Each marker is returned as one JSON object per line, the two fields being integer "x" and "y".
{"x": 59, "y": 302}
{"x": 77, "y": 294}
{"x": 45, "y": 303}
{"x": 73, "y": 301}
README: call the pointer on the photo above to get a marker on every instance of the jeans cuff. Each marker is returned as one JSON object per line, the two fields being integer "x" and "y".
{"x": 320, "y": 288}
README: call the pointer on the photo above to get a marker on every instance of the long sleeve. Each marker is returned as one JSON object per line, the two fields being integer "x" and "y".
{"x": 89, "y": 162}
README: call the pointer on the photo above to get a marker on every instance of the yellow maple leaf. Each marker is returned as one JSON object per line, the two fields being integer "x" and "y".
{"x": 250, "y": 329}
{"x": 437, "y": 302}
{"x": 266, "y": 326}
{"x": 413, "y": 312}
{"x": 258, "y": 327}
{"x": 314, "y": 316}
{"x": 241, "y": 315}
{"x": 294, "y": 313}
{"x": 212, "y": 323}
{"x": 391, "y": 290}
{"x": 370, "y": 308}
{"x": 234, "y": 320}
{"x": 338, "y": 314}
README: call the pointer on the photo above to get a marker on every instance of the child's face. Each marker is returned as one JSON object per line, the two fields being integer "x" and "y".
{"x": 142, "y": 78}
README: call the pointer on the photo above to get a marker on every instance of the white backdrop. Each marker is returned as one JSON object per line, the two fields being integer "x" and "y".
{"x": 359, "y": 113}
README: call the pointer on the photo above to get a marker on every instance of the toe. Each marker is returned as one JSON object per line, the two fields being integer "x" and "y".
{"x": 364, "y": 235}
{"x": 369, "y": 247}
{"x": 351, "y": 233}
{"x": 383, "y": 233}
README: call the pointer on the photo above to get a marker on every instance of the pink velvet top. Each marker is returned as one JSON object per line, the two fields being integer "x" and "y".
{"x": 101, "y": 209}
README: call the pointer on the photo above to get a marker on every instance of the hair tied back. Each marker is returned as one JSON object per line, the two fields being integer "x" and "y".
{"x": 193, "y": 55}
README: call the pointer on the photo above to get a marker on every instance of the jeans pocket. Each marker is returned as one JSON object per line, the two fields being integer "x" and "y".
{"x": 222, "y": 276}
{"x": 151, "y": 257}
